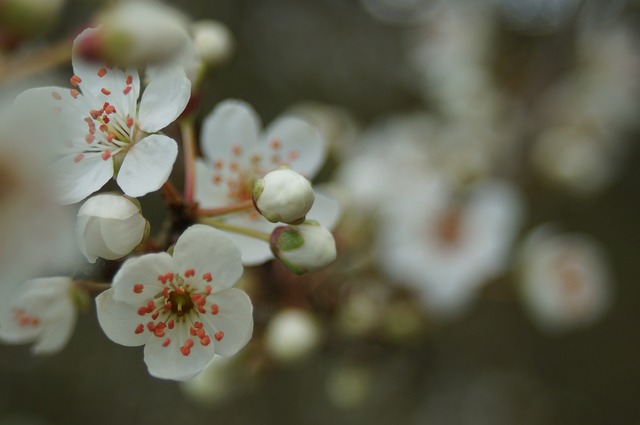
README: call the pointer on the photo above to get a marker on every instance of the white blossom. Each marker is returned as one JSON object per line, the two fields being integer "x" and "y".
{"x": 102, "y": 132}
{"x": 446, "y": 246}
{"x": 182, "y": 307}
{"x": 565, "y": 279}
{"x": 41, "y": 311}
{"x": 236, "y": 154}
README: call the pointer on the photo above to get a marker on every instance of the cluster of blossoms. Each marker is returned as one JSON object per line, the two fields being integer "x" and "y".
{"x": 435, "y": 218}
{"x": 246, "y": 202}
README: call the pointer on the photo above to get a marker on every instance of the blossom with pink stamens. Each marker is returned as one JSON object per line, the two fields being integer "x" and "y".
{"x": 40, "y": 311}
{"x": 102, "y": 131}
{"x": 182, "y": 307}
{"x": 237, "y": 154}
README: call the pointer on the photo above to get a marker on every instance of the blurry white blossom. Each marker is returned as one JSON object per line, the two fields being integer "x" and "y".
{"x": 585, "y": 115}
{"x": 445, "y": 245}
{"x": 565, "y": 279}
{"x": 41, "y": 311}
{"x": 212, "y": 41}
{"x": 37, "y": 234}
{"x": 292, "y": 334}
{"x": 379, "y": 168}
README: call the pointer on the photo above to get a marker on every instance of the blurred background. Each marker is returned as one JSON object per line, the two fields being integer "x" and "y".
{"x": 486, "y": 157}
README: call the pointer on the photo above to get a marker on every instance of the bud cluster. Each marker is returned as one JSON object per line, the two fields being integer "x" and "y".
{"x": 286, "y": 196}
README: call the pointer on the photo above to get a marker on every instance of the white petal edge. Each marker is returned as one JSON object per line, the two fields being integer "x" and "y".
{"x": 119, "y": 320}
{"x": 74, "y": 181}
{"x": 170, "y": 363}
{"x": 326, "y": 210}
{"x": 234, "y": 318}
{"x": 122, "y": 236}
{"x": 55, "y": 334}
{"x": 108, "y": 206}
{"x": 232, "y": 123}
{"x": 147, "y": 165}
{"x": 208, "y": 250}
{"x": 164, "y": 99}
{"x": 144, "y": 270}
{"x": 300, "y": 139}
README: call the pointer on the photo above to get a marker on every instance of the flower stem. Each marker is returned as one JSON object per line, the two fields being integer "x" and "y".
{"x": 35, "y": 63}
{"x": 219, "y": 224}
{"x": 214, "y": 212}
{"x": 171, "y": 194}
{"x": 189, "y": 146}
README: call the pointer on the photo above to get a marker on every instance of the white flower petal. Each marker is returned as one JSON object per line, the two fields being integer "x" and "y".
{"x": 82, "y": 227}
{"x": 49, "y": 107}
{"x": 119, "y": 320}
{"x": 142, "y": 270}
{"x": 209, "y": 192}
{"x": 253, "y": 252}
{"x": 299, "y": 145}
{"x": 91, "y": 242}
{"x": 326, "y": 210}
{"x": 169, "y": 362}
{"x": 108, "y": 206}
{"x": 164, "y": 99}
{"x": 46, "y": 301}
{"x": 147, "y": 165}
{"x": 207, "y": 250}
{"x": 113, "y": 80}
{"x": 58, "y": 330}
{"x": 230, "y": 131}
{"x": 234, "y": 318}
{"x": 121, "y": 236}
{"x": 75, "y": 180}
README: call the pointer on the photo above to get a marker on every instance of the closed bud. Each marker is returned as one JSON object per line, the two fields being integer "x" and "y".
{"x": 292, "y": 335}
{"x": 109, "y": 226}
{"x": 303, "y": 248}
{"x": 141, "y": 31}
{"x": 283, "y": 196}
{"x": 212, "y": 40}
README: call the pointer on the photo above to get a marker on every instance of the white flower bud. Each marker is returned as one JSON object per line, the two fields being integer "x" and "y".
{"x": 304, "y": 248}
{"x": 283, "y": 196}
{"x": 212, "y": 40}
{"x": 139, "y": 31}
{"x": 291, "y": 335}
{"x": 109, "y": 226}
